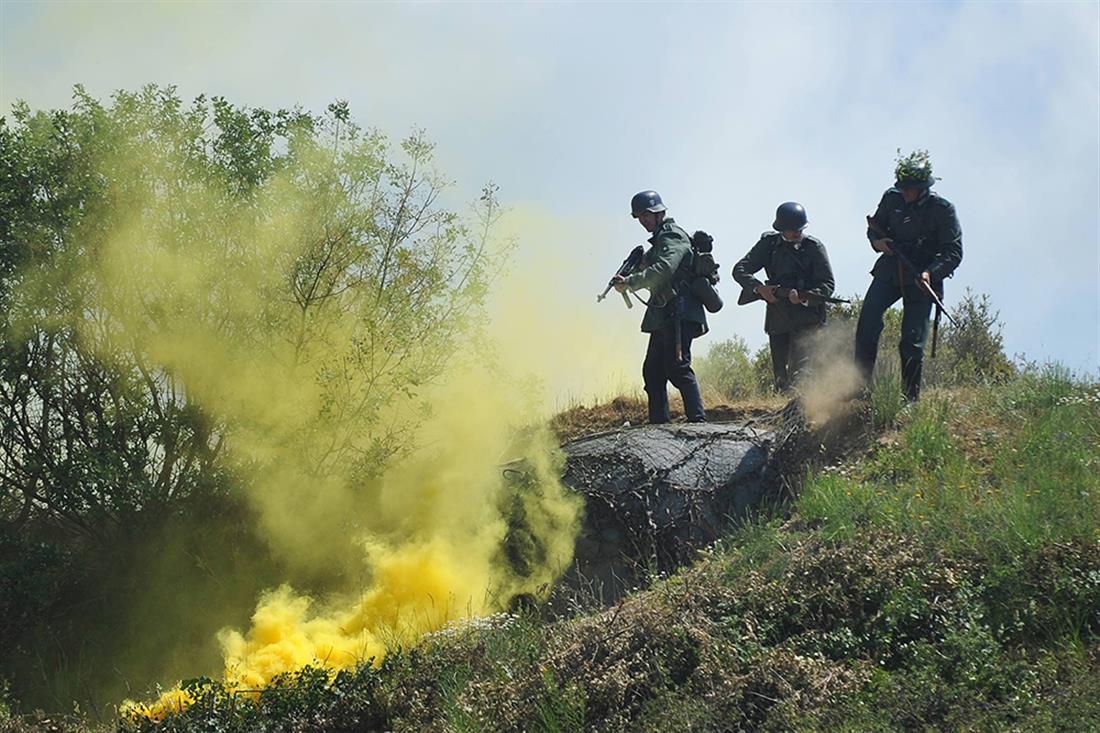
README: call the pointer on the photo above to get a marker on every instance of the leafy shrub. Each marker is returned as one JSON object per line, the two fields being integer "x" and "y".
{"x": 726, "y": 369}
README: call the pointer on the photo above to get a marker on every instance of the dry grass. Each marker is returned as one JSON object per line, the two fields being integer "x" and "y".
{"x": 581, "y": 420}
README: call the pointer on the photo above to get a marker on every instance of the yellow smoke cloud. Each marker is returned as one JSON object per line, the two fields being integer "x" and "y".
{"x": 435, "y": 554}
{"x": 546, "y": 317}
{"x": 168, "y": 703}
{"x": 404, "y": 500}
{"x": 416, "y": 589}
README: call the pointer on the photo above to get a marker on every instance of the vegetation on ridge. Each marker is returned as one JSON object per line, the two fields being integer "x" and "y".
{"x": 949, "y": 579}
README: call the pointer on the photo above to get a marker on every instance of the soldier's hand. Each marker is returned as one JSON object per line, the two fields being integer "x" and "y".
{"x": 767, "y": 292}
{"x": 795, "y": 298}
{"x": 926, "y": 278}
{"x": 883, "y": 245}
{"x": 619, "y": 283}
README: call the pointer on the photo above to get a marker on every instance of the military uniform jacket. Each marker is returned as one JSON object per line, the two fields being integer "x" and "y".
{"x": 666, "y": 265}
{"x": 926, "y": 231}
{"x": 801, "y": 265}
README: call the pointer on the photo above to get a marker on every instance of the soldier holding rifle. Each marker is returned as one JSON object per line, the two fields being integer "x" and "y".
{"x": 799, "y": 284}
{"x": 919, "y": 237}
{"x": 672, "y": 317}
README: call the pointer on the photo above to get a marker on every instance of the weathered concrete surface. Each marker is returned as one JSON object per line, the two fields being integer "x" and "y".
{"x": 655, "y": 494}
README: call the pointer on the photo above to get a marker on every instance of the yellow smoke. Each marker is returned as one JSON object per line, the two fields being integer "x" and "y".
{"x": 433, "y": 535}
{"x": 438, "y": 559}
{"x": 547, "y": 319}
{"x": 287, "y": 634}
{"x": 168, "y": 703}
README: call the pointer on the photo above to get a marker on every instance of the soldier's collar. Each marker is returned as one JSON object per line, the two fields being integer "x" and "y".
{"x": 796, "y": 246}
{"x": 653, "y": 237}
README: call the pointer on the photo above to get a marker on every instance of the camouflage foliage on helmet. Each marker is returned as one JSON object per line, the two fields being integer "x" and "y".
{"x": 914, "y": 168}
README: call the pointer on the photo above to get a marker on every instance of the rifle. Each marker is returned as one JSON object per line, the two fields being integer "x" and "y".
{"x": 907, "y": 264}
{"x": 630, "y": 264}
{"x": 751, "y": 296}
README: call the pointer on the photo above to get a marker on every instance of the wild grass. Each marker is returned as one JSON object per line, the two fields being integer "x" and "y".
{"x": 994, "y": 471}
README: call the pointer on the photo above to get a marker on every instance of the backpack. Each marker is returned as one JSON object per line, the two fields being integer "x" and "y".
{"x": 703, "y": 274}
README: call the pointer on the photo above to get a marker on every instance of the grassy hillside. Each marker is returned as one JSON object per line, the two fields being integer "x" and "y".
{"x": 946, "y": 579}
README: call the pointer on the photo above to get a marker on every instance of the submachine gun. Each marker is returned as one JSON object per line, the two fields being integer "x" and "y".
{"x": 699, "y": 279}
{"x": 630, "y": 264}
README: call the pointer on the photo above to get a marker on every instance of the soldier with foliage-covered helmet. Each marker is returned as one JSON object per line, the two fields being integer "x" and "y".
{"x": 913, "y": 224}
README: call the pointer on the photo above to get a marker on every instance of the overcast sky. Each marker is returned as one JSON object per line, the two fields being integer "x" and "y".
{"x": 726, "y": 109}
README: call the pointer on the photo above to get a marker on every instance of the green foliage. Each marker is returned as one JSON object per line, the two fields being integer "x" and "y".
{"x": 726, "y": 368}
{"x": 308, "y": 699}
{"x": 81, "y": 405}
{"x": 915, "y": 167}
{"x": 763, "y": 377}
{"x": 107, "y": 447}
{"x": 561, "y": 708}
{"x": 887, "y": 398}
{"x": 973, "y": 351}
{"x": 1032, "y": 482}
{"x": 29, "y": 575}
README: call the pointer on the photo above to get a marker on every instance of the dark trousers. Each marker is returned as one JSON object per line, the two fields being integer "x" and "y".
{"x": 790, "y": 356}
{"x": 662, "y": 366}
{"x": 915, "y": 310}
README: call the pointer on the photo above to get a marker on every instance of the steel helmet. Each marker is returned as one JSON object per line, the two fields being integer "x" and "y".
{"x": 914, "y": 170}
{"x": 790, "y": 217}
{"x": 646, "y": 201}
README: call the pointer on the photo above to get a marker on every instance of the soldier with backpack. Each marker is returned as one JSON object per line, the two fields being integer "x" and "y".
{"x": 674, "y": 316}
{"x": 799, "y": 284}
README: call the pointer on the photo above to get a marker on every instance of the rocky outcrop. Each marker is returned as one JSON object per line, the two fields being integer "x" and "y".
{"x": 655, "y": 494}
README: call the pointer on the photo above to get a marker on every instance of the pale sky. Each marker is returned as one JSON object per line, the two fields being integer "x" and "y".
{"x": 727, "y": 109}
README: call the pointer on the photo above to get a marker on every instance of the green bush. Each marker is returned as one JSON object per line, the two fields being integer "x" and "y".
{"x": 974, "y": 349}
{"x": 726, "y": 368}
{"x": 971, "y": 353}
